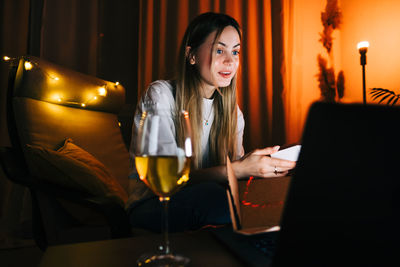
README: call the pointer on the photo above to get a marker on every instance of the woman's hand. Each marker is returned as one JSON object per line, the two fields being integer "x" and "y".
{"x": 259, "y": 163}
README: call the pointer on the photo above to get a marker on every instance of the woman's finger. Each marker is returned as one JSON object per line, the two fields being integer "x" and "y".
{"x": 266, "y": 151}
{"x": 273, "y": 174}
{"x": 281, "y": 163}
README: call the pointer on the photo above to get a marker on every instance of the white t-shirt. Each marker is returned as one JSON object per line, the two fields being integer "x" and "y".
{"x": 162, "y": 93}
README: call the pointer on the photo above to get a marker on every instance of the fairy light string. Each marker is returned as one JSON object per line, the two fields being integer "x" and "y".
{"x": 101, "y": 91}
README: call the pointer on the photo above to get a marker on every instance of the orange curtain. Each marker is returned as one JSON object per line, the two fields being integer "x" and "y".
{"x": 162, "y": 25}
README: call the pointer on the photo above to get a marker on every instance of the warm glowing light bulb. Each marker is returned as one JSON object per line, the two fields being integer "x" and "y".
{"x": 116, "y": 83}
{"x": 119, "y": 124}
{"x": 28, "y": 65}
{"x": 83, "y": 105}
{"x": 6, "y": 58}
{"x": 95, "y": 98}
{"x": 102, "y": 91}
{"x": 363, "y": 45}
{"x": 56, "y": 98}
{"x": 56, "y": 78}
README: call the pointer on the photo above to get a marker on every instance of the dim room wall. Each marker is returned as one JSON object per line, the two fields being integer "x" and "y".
{"x": 379, "y": 23}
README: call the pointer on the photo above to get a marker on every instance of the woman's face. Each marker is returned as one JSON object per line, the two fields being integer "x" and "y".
{"x": 218, "y": 63}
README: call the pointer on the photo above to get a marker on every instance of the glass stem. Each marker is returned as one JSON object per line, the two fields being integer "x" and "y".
{"x": 165, "y": 230}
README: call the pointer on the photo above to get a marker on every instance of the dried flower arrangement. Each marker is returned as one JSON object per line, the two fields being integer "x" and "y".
{"x": 331, "y": 88}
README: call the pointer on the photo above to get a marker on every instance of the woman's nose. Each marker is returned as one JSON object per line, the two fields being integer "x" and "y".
{"x": 228, "y": 59}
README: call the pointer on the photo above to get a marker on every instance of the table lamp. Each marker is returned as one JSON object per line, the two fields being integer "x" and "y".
{"x": 362, "y": 48}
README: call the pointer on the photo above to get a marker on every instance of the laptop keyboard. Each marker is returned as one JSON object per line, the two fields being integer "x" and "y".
{"x": 266, "y": 244}
{"x": 254, "y": 250}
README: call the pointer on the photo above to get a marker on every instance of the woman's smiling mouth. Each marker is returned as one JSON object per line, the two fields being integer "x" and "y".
{"x": 225, "y": 74}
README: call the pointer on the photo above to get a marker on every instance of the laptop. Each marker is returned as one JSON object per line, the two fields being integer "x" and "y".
{"x": 260, "y": 208}
{"x": 342, "y": 205}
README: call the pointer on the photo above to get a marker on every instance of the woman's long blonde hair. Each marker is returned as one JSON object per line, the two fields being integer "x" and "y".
{"x": 223, "y": 134}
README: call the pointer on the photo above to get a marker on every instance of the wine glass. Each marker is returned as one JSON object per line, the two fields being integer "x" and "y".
{"x": 163, "y": 164}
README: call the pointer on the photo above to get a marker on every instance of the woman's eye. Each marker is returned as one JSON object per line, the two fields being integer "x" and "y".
{"x": 235, "y": 53}
{"x": 219, "y": 51}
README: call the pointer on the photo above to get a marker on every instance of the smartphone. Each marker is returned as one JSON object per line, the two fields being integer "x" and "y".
{"x": 290, "y": 153}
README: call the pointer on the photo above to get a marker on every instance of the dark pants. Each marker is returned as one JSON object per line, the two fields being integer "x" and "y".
{"x": 191, "y": 208}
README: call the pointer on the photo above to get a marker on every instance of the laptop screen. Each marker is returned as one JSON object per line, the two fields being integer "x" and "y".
{"x": 343, "y": 200}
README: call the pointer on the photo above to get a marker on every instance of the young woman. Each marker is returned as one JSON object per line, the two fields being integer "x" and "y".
{"x": 205, "y": 86}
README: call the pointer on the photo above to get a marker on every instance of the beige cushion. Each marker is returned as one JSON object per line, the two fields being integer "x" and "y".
{"x": 46, "y": 125}
{"x": 73, "y": 167}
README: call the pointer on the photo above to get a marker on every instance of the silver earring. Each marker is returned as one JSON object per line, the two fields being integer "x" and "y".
{"x": 192, "y": 61}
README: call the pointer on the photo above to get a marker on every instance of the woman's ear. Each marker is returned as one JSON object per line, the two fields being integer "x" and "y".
{"x": 190, "y": 55}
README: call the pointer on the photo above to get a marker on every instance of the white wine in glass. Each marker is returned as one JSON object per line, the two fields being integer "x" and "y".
{"x": 163, "y": 163}
{"x": 164, "y": 175}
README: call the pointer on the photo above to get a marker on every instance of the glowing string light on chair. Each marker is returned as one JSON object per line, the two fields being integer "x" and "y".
{"x": 56, "y": 98}
{"x": 100, "y": 91}
{"x": 28, "y": 65}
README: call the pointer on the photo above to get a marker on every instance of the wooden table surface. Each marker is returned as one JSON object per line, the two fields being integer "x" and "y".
{"x": 201, "y": 247}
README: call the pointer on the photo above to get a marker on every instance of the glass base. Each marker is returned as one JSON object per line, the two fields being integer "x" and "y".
{"x": 165, "y": 260}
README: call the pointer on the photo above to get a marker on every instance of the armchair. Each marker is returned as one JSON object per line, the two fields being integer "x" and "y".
{"x": 67, "y": 148}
